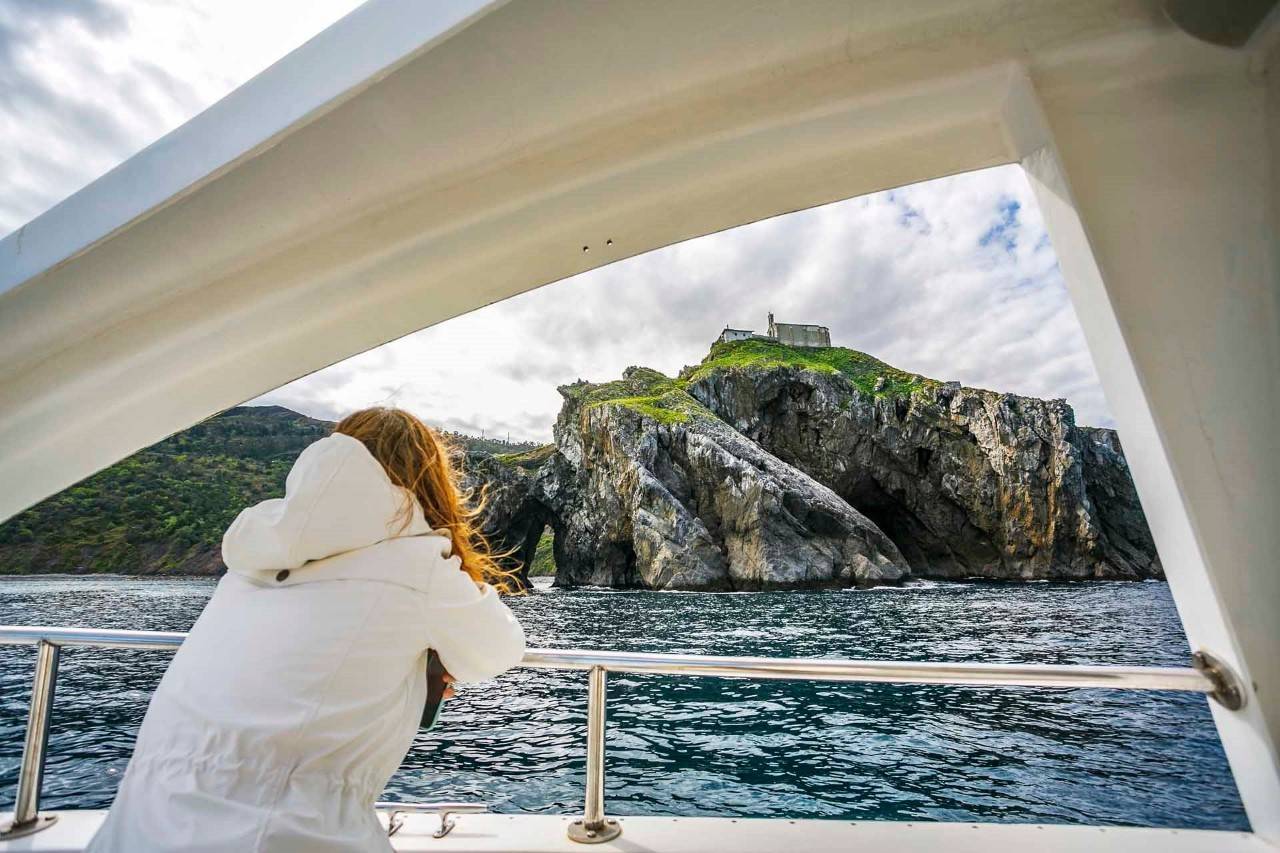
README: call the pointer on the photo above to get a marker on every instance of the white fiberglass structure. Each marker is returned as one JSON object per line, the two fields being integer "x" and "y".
{"x": 418, "y": 160}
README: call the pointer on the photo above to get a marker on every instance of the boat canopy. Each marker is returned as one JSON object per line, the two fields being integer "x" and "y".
{"x": 419, "y": 160}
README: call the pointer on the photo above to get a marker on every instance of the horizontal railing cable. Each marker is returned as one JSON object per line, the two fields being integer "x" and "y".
{"x": 808, "y": 669}
{"x": 1208, "y": 676}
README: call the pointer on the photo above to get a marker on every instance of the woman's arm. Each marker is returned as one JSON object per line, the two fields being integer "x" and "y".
{"x": 473, "y": 631}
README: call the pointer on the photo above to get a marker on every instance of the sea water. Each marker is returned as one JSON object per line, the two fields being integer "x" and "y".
{"x": 710, "y": 746}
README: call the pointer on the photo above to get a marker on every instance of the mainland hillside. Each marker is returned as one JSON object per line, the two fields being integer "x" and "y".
{"x": 764, "y": 466}
{"x": 163, "y": 510}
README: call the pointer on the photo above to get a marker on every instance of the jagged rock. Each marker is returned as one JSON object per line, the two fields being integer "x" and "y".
{"x": 648, "y": 489}
{"x": 1115, "y": 498}
{"x": 512, "y": 518}
{"x": 966, "y": 482}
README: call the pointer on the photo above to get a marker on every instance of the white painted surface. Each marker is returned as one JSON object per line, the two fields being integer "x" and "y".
{"x": 546, "y": 834}
{"x": 333, "y": 66}
{"x": 481, "y": 166}
{"x": 1184, "y": 316}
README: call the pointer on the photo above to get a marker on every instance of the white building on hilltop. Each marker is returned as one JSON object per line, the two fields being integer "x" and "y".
{"x": 737, "y": 334}
{"x": 791, "y": 334}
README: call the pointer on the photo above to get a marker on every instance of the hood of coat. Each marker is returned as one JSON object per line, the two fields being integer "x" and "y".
{"x": 338, "y": 498}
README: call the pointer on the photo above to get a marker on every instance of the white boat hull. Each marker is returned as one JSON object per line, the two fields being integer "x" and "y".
{"x": 490, "y": 833}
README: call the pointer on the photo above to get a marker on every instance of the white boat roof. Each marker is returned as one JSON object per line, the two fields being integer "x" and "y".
{"x": 417, "y": 161}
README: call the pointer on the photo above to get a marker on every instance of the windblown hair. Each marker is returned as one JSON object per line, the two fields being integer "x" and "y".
{"x": 420, "y": 461}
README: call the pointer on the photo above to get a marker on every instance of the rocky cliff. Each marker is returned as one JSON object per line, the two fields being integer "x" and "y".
{"x": 1114, "y": 498}
{"x": 968, "y": 483}
{"x": 648, "y": 489}
{"x": 767, "y": 466}
{"x": 512, "y": 518}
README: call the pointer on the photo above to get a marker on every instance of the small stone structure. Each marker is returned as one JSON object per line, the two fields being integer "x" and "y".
{"x": 791, "y": 334}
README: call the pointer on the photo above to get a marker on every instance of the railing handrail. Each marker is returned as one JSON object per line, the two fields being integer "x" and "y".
{"x": 809, "y": 669}
{"x": 1208, "y": 676}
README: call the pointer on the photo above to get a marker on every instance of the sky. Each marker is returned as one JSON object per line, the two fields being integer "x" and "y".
{"x": 955, "y": 278}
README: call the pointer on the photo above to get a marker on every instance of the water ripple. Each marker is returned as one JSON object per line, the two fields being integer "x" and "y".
{"x": 704, "y": 746}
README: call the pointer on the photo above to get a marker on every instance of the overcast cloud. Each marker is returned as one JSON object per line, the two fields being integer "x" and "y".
{"x": 954, "y": 278}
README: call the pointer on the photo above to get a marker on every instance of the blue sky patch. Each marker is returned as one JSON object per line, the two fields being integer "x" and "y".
{"x": 1005, "y": 231}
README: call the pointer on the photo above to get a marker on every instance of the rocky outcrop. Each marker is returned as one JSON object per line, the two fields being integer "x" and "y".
{"x": 649, "y": 489}
{"x": 771, "y": 467}
{"x": 512, "y": 518}
{"x": 1115, "y": 499}
{"x": 968, "y": 483}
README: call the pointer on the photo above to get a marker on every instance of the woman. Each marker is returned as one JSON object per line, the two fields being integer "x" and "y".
{"x": 300, "y": 687}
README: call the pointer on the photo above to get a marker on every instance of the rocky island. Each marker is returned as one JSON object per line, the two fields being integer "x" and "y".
{"x": 770, "y": 466}
{"x": 766, "y": 466}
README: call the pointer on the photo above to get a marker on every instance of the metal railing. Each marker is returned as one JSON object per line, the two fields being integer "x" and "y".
{"x": 1207, "y": 675}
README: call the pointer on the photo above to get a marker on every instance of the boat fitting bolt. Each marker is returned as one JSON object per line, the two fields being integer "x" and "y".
{"x": 1227, "y": 689}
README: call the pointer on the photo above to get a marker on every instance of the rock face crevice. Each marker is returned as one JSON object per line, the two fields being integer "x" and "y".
{"x": 767, "y": 467}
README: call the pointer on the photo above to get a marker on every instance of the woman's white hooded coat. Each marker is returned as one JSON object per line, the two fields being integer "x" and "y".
{"x": 299, "y": 689}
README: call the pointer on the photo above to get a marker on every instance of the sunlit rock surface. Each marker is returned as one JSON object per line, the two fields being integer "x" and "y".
{"x": 648, "y": 489}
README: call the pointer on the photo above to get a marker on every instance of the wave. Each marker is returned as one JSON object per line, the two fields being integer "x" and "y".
{"x": 914, "y": 585}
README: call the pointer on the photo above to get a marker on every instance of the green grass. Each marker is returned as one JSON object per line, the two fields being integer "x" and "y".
{"x": 544, "y": 561}
{"x": 640, "y": 382}
{"x": 648, "y": 392}
{"x": 530, "y": 460}
{"x": 667, "y": 400}
{"x": 859, "y": 368}
{"x": 673, "y": 407}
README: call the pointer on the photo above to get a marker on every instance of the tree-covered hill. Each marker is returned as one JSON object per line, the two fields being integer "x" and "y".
{"x": 164, "y": 509}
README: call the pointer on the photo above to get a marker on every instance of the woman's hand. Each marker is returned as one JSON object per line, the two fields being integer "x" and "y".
{"x": 448, "y": 688}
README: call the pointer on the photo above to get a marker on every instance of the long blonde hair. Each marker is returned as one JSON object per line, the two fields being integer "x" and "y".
{"x": 417, "y": 459}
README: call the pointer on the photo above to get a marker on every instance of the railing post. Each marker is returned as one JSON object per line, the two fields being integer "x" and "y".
{"x": 26, "y": 810}
{"x": 593, "y": 827}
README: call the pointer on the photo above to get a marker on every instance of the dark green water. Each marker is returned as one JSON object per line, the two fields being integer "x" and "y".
{"x": 694, "y": 746}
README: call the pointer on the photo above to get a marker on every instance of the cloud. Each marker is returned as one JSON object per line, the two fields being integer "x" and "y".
{"x": 954, "y": 278}
{"x": 84, "y": 84}
{"x": 525, "y": 371}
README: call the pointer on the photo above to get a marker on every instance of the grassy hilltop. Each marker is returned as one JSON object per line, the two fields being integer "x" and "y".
{"x": 666, "y": 400}
{"x": 859, "y": 368}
